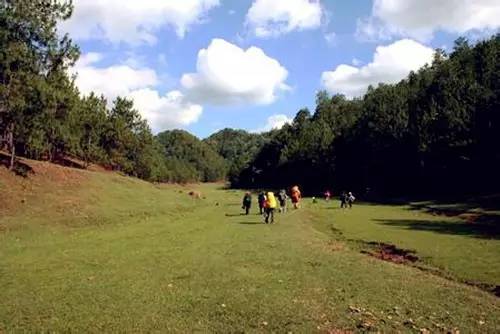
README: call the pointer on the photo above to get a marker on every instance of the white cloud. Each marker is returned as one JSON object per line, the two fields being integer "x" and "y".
{"x": 372, "y": 30}
{"x": 111, "y": 81}
{"x": 133, "y": 21}
{"x": 227, "y": 74}
{"x": 331, "y": 38}
{"x": 356, "y": 62}
{"x": 165, "y": 112}
{"x": 275, "y": 122}
{"x": 390, "y": 64}
{"x": 268, "y": 18}
{"x": 419, "y": 19}
{"x": 162, "y": 112}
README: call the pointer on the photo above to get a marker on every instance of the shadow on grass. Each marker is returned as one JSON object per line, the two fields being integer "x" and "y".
{"x": 251, "y": 223}
{"x": 488, "y": 227}
{"x": 20, "y": 168}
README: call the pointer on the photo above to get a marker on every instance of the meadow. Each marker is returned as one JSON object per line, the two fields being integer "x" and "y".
{"x": 85, "y": 251}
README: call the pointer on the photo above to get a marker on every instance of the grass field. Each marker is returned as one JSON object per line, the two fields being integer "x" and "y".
{"x": 98, "y": 252}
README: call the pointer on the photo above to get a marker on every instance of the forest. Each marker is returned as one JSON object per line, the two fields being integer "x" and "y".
{"x": 437, "y": 131}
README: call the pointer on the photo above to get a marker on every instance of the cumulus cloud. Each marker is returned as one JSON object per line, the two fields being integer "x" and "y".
{"x": 133, "y": 21}
{"x": 226, "y": 74}
{"x": 390, "y": 64}
{"x": 267, "y": 18}
{"x": 162, "y": 112}
{"x": 419, "y": 19}
{"x": 165, "y": 112}
{"x": 110, "y": 81}
{"x": 275, "y": 122}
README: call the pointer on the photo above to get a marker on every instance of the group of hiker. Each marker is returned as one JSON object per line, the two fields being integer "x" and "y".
{"x": 269, "y": 202}
{"x": 346, "y": 199}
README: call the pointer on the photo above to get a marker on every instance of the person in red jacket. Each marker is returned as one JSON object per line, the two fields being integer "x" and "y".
{"x": 296, "y": 196}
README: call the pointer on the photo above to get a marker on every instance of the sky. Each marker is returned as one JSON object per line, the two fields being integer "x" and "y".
{"x": 204, "y": 65}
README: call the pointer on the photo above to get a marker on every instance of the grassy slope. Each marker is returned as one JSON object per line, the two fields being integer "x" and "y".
{"x": 110, "y": 253}
{"x": 447, "y": 244}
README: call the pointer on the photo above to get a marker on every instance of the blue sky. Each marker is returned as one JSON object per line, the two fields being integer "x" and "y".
{"x": 263, "y": 60}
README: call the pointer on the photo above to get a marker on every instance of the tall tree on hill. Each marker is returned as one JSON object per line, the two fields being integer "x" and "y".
{"x": 31, "y": 49}
{"x": 88, "y": 125}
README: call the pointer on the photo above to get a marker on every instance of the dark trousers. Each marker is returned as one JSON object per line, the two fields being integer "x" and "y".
{"x": 269, "y": 215}
{"x": 247, "y": 209}
{"x": 261, "y": 208}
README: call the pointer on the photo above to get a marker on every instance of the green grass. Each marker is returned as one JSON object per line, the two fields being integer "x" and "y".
{"x": 121, "y": 255}
{"x": 448, "y": 244}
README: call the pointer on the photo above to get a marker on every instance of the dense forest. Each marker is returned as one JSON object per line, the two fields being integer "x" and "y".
{"x": 437, "y": 131}
{"x": 238, "y": 148}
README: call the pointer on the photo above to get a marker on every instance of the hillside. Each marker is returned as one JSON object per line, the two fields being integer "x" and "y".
{"x": 96, "y": 251}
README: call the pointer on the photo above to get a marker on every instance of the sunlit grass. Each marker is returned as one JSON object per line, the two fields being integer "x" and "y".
{"x": 132, "y": 257}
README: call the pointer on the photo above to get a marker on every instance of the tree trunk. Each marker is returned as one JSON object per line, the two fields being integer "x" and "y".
{"x": 12, "y": 146}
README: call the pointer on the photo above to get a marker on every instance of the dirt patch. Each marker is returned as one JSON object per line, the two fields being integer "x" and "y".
{"x": 470, "y": 218}
{"x": 391, "y": 253}
{"x": 335, "y": 246}
{"x": 43, "y": 179}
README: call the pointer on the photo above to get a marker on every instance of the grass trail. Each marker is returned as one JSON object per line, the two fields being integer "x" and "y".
{"x": 139, "y": 258}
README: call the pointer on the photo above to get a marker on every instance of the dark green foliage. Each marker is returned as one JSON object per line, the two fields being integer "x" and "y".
{"x": 42, "y": 115}
{"x": 190, "y": 158}
{"x": 33, "y": 60}
{"x": 436, "y": 131}
{"x": 237, "y": 147}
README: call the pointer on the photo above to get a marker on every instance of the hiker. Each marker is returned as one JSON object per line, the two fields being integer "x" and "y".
{"x": 270, "y": 206}
{"x": 343, "y": 200}
{"x": 282, "y": 198}
{"x": 350, "y": 199}
{"x": 262, "y": 201}
{"x": 247, "y": 202}
{"x": 296, "y": 196}
{"x": 327, "y": 194}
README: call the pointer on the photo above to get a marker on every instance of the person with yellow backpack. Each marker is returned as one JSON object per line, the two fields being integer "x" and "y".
{"x": 270, "y": 207}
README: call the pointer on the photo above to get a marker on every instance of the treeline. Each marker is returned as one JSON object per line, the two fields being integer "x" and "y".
{"x": 437, "y": 131}
{"x": 43, "y": 116}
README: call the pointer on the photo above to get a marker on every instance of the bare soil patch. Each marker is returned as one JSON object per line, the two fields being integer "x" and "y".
{"x": 41, "y": 179}
{"x": 391, "y": 253}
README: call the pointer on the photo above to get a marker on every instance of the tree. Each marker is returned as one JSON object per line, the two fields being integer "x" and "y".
{"x": 31, "y": 50}
{"x": 435, "y": 131}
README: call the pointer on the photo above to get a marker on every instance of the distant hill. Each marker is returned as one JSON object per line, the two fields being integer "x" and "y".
{"x": 189, "y": 158}
{"x": 237, "y": 147}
